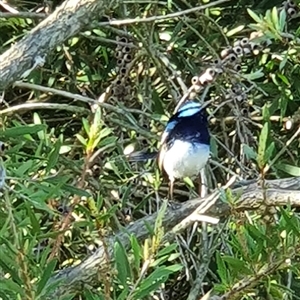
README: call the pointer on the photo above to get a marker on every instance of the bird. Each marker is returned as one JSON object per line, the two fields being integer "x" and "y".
{"x": 184, "y": 145}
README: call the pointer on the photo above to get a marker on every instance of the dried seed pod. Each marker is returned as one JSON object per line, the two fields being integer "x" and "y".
{"x": 225, "y": 52}
{"x": 119, "y": 48}
{"x": 237, "y": 67}
{"x": 244, "y": 42}
{"x": 231, "y": 58}
{"x": 237, "y": 50}
{"x": 239, "y": 98}
{"x": 291, "y": 12}
{"x": 195, "y": 80}
{"x": 291, "y": 3}
{"x": 206, "y": 77}
{"x": 227, "y": 96}
{"x": 127, "y": 58}
{"x": 118, "y": 82}
{"x": 219, "y": 70}
{"x": 118, "y": 90}
{"x": 236, "y": 89}
{"x": 237, "y": 43}
{"x": 288, "y": 124}
{"x": 127, "y": 90}
{"x": 216, "y": 62}
{"x": 120, "y": 62}
{"x": 254, "y": 46}
{"x": 126, "y": 49}
{"x": 122, "y": 39}
{"x": 197, "y": 88}
{"x": 123, "y": 71}
{"x": 211, "y": 72}
{"x": 192, "y": 95}
{"x": 126, "y": 81}
{"x": 247, "y": 50}
{"x": 118, "y": 54}
{"x": 245, "y": 111}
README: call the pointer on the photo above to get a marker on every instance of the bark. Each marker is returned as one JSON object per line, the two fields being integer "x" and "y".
{"x": 66, "y": 21}
{"x": 93, "y": 268}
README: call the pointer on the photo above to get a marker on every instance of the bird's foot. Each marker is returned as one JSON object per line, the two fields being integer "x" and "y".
{"x": 174, "y": 205}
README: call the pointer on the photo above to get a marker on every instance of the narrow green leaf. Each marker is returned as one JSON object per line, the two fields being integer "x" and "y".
{"x": 275, "y": 20}
{"x": 124, "y": 294}
{"x": 167, "y": 250}
{"x": 235, "y": 30}
{"x": 237, "y": 264}
{"x": 221, "y": 268}
{"x": 48, "y": 272}
{"x": 81, "y": 139}
{"x": 122, "y": 263}
{"x": 37, "y": 120}
{"x": 20, "y": 131}
{"x": 263, "y": 137}
{"x": 254, "y": 16}
{"x": 159, "y": 275}
{"x": 86, "y": 126}
{"x": 10, "y": 285}
{"x": 269, "y": 152}
{"x": 137, "y": 251}
{"x": 289, "y": 169}
{"x": 249, "y": 152}
{"x": 36, "y": 229}
{"x": 54, "y": 154}
{"x": 282, "y": 19}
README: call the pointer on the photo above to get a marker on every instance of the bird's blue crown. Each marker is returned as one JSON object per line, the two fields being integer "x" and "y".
{"x": 188, "y": 124}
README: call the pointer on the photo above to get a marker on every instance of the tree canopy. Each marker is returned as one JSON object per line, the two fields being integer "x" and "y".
{"x": 85, "y": 83}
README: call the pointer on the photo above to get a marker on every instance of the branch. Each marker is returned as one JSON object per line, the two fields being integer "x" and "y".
{"x": 66, "y": 21}
{"x": 158, "y": 19}
{"x": 23, "y": 15}
{"x": 280, "y": 192}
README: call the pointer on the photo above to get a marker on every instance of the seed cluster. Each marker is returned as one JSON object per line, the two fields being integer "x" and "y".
{"x": 291, "y": 9}
{"x": 230, "y": 60}
{"x": 230, "y": 57}
{"x": 121, "y": 86}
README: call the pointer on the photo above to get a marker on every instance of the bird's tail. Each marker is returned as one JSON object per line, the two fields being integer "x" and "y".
{"x": 142, "y": 156}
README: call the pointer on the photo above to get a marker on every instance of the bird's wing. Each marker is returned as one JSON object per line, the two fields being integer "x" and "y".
{"x": 163, "y": 146}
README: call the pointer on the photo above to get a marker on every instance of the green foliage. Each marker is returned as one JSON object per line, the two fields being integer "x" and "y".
{"x": 68, "y": 176}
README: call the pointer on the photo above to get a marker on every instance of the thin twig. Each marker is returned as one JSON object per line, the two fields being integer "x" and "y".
{"x": 34, "y": 106}
{"x": 281, "y": 151}
{"x": 23, "y": 15}
{"x": 162, "y": 18}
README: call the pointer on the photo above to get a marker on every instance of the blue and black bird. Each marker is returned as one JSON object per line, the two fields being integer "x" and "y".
{"x": 184, "y": 149}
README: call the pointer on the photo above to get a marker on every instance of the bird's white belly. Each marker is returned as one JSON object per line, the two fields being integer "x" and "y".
{"x": 185, "y": 160}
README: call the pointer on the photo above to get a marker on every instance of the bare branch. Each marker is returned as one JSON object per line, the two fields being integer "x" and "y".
{"x": 66, "y": 21}
{"x": 23, "y": 15}
{"x": 163, "y": 18}
{"x": 280, "y": 192}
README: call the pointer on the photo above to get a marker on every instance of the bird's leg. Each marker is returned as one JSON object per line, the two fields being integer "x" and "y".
{"x": 199, "y": 184}
{"x": 173, "y": 204}
{"x": 171, "y": 187}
